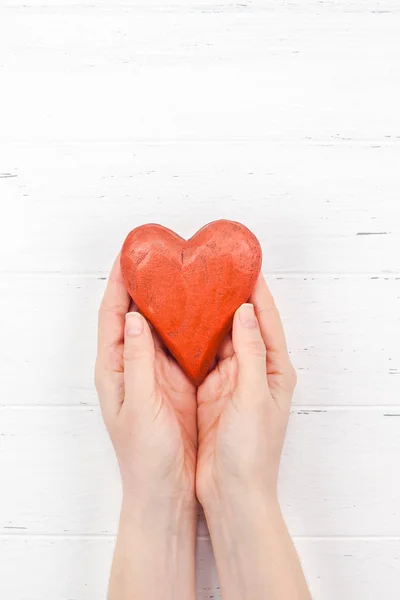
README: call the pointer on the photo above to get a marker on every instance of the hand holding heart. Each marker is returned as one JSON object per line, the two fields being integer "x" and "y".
{"x": 148, "y": 402}
{"x": 204, "y": 419}
{"x": 174, "y": 440}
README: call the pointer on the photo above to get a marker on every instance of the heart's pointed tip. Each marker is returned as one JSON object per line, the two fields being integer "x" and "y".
{"x": 197, "y": 381}
{"x": 196, "y": 373}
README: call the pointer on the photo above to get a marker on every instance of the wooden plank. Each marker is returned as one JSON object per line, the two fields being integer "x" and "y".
{"x": 342, "y": 568}
{"x": 59, "y": 475}
{"x": 342, "y": 332}
{"x": 122, "y": 75}
{"x": 54, "y": 568}
{"x": 314, "y": 208}
{"x": 347, "y": 569}
{"x": 210, "y": 6}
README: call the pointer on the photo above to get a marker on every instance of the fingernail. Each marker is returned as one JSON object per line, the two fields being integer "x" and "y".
{"x": 247, "y": 316}
{"x": 134, "y": 323}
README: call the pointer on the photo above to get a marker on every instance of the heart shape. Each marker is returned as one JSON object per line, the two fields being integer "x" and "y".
{"x": 190, "y": 290}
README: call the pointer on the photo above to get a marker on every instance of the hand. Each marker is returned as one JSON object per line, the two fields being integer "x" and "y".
{"x": 149, "y": 408}
{"x": 148, "y": 403}
{"x": 243, "y": 409}
{"x": 243, "y": 406}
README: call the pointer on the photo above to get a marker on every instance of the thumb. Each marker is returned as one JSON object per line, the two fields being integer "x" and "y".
{"x": 139, "y": 358}
{"x": 250, "y": 351}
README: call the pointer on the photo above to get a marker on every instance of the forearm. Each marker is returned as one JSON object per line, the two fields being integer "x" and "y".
{"x": 154, "y": 553}
{"x": 255, "y": 555}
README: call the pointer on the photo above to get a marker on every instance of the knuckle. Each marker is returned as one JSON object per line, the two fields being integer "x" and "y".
{"x": 109, "y": 359}
{"x": 104, "y": 380}
{"x": 113, "y": 358}
{"x": 272, "y": 309}
{"x": 118, "y": 310}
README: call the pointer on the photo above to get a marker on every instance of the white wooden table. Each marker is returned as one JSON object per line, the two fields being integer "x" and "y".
{"x": 283, "y": 115}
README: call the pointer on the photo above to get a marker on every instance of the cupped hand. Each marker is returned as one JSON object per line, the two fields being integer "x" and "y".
{"x": 243, "y": 407}
{"x": 148, "y": 403}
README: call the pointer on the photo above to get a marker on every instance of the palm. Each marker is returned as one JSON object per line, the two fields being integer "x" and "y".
{"x": 219, "y": 421}
{"x": 177, "y": 395}
{"x": 214, "y": 412}
{"x": 178, "y": 406}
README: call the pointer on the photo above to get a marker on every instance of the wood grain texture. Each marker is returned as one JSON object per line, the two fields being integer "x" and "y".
{"x": 281, "y": 115}
{"x": 336, "y": 568}
{"x": 314, "y": 208}
{"x": 59, "y": 475}
{"x": 210, "y": 6}
{"x": 112, "y": 75}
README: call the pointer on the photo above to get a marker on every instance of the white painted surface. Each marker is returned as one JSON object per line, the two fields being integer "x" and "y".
{"x": 343, "y": 333}
{"x": 282, "y": 115}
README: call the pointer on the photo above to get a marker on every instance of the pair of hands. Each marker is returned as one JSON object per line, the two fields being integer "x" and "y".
{"x": 220, "y": 444}
{"x": 175, "y": 442}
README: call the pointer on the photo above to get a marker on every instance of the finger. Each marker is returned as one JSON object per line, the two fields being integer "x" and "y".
{"x": 109, "y": 363}
{"x": 250, "y": 352}
{"x": 157, "y": 340}
{"x": 139, "y": 359}
{"x": 113, "y": 308}
{"x": 278, "y": 360}
{"x": 226, "y": 348}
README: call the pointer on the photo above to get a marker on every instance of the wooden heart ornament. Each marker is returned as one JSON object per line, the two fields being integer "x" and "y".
{"x": 190, "y": 290}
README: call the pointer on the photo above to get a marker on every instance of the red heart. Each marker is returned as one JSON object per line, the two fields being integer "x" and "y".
{"x": 189, "y": 290}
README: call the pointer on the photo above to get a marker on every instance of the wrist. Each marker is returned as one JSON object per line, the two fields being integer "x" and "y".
{"x": 254, "y": 553}
{"x": 160, "y": 515}
{"x": 245, "y": 533}
{"x": 155, "y": 549}
{"x": 240, "y": 501}
{"x": 247, "y": 511}
{"x": 161, "y": 497}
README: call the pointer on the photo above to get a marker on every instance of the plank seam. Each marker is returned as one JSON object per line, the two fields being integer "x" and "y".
{"x": 111, "y": 536}
{"x": 389, "y": 410}
{"x": 272, "y": 275}
{"x": 237, "y": 8}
